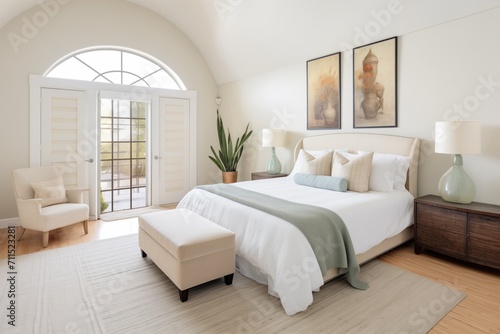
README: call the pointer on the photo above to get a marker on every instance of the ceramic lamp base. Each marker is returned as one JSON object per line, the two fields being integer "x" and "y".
{"x": 455, "y": 185}
{"x": 274, "y": 165}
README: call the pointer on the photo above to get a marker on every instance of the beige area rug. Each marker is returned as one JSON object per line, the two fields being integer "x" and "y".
{"x": 107, "y": 287}
{"x": 126, "y": 214}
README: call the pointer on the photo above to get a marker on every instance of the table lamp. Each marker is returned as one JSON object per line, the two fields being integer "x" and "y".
{"x": 273, "y": 138}
{"x": 457, "y": 137}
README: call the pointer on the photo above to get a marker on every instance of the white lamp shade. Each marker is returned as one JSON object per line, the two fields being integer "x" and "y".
{"x": 273, "y": 137}
{"x": 458, "y": 137}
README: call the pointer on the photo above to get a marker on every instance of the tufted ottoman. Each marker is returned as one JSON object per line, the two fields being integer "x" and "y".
{"x": 188, "y": 248}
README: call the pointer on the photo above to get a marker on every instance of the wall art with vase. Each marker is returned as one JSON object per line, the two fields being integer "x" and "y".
{"x": 375, "y": 84}
{"x": 323, "y": 92}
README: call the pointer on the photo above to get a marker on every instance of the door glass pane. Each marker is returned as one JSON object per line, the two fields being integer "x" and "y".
{"x": 139, "y": 150}
{"x": 105, "y": 201}
{"x": 139, "y": 109}
{"x": 138, "y": 130}
{"x": 121, "y": 175}
{"x": 106, "y": 108}
{"x": 122, "y": 132}
{"x": 121, "y": 150}
{"x": 123, "y": 154}
{"x": 121, "y": 200}
{"x": 138, "y": 197}
{"x": 106, "y": 127}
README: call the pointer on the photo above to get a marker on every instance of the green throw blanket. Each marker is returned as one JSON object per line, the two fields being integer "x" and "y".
{"x": 323, "y": 228}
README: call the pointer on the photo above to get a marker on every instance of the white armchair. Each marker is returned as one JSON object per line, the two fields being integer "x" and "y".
{"x": 53, "y": 207}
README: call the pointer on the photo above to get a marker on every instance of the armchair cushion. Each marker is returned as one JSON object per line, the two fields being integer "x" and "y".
{"x": 51, "y": 191}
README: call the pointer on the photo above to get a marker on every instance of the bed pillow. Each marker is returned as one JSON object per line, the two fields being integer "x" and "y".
{"x": 356, "y": 168}
{"x": 401, "y": 173}
{"x": 51, "y": 192}
{"x": 310, "y": 164}
{"x": 384, "y": 169}
{"x": 389, "y": 172}
{"x": 321, "y": 181}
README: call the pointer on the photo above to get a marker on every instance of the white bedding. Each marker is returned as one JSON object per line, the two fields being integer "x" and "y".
{"x": 274, "y": 252}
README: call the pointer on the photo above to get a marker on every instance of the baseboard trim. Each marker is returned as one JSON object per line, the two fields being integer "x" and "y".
{"x": 4, "y": 223}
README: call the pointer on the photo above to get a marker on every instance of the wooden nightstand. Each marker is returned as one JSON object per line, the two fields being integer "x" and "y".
{"x": 266, "y": 175}
{"x": 468, "y": 232}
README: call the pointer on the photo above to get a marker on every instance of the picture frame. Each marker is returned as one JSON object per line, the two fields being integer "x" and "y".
{"x": 375, "y": 84}
{"x": 324, "y": 92}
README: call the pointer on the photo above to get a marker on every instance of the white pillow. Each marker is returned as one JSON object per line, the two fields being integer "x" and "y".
{"x": 317, "y": 163}
{"x": 383, "y": 172}
{"x": 51, "y": 192}
{"x": 388, "y": 172}
{"x": 356, "y": 168}
{"x": 401, "y": 173}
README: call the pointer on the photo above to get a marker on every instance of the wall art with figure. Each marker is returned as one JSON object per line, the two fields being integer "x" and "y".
{"x": 375, "y": 84}
{"x": 323, "y": 92}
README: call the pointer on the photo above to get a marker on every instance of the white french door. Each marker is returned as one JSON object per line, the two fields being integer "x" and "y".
{"x": 171, "y": 145}
{"x": 62, "y": 143}
{"x": 60, "y": 137}
{"x": 65, "y": 131}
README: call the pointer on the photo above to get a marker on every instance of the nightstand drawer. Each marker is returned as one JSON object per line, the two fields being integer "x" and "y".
{"x": 442, "y": 241}
{"x": 484, "y": 238}
{"x": 433, "y": 218}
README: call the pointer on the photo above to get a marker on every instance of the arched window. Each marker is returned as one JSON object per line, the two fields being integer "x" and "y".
{"x": 117, "y": 66}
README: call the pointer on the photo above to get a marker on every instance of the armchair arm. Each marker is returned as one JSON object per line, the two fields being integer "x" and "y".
{"x": 75, "y": 195}
{"x": 29, "y": 211}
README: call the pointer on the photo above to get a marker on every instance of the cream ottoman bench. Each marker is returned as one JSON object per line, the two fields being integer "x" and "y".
{"x": 188, "y": 248}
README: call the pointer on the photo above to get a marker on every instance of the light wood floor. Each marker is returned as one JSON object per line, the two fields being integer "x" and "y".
{"x": 479, "y": 312}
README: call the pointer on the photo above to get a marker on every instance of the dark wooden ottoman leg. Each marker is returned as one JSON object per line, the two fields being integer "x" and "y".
{"x": 143, "y": 253}
{"x": 183, "y": 295}
{"x": 228, "y": 279}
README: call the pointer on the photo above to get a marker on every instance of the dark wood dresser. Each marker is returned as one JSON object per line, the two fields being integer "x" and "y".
{"x": 468, "y": 232}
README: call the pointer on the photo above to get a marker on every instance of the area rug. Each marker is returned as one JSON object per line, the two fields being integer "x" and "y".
{"x": 126, "y": 214}
{"x": 107, "y": 287}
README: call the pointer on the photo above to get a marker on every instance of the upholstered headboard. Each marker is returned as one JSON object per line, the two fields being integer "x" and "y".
{"x": 405, "y": 146}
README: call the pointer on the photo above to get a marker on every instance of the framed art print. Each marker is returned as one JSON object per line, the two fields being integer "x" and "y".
{"x": 323, "y": 92}
{"x": 375, "y": 84}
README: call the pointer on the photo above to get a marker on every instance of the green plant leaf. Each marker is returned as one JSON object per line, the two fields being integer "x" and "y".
{"x": 228, "y": 156}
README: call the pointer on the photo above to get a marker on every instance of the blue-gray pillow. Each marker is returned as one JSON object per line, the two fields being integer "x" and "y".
{"x": 321, "y": 181}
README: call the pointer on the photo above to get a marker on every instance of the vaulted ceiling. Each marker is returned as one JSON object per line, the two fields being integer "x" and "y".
{"x": 240, "y": 38}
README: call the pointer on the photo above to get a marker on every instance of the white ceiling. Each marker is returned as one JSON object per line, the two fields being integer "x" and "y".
{"x": 240, "y": 38}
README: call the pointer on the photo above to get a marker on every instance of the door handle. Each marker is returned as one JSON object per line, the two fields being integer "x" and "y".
{"x": 90, "y": 160}
{"x": 157, "y": 157}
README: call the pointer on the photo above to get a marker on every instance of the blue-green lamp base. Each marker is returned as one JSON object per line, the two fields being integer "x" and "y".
{"x": 455, "y": 185}
{"x": 274, "y": 165}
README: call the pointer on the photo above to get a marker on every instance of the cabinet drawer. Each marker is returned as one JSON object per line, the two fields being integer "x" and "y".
{"x": 449, "y": 221}
{"x": 442, "y": 241}
{"x": 441, "y": 230}
{"x": 484, "y": 238}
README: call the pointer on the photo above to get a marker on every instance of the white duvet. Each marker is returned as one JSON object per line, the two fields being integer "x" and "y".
{"x": 274, "y": 252}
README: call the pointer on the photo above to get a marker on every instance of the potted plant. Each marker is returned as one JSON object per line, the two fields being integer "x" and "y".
{"x": 228, "y": 156}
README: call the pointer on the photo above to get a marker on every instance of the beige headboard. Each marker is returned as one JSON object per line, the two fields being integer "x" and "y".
{"x": 405, "y": 146}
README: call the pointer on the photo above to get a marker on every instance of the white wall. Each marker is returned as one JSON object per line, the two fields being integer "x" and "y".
{"x": 441, "y": 69}
{"x": 75, "y": 25}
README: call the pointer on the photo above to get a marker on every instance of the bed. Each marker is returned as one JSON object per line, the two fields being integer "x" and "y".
{"x": 273, "y": 252}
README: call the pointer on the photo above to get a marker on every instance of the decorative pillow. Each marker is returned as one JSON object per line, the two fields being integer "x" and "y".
{"x": 309, "y": 164}
{"x": 321, "y": 181}
{"x": 355, "y": 168}
{"x": 51, "y": 192}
